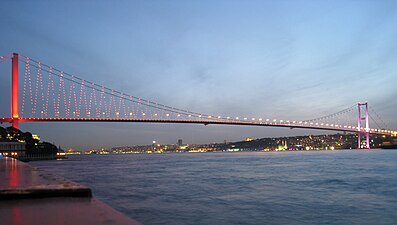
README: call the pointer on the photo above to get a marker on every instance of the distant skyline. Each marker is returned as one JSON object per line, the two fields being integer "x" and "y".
{"x": 279, "y": 59}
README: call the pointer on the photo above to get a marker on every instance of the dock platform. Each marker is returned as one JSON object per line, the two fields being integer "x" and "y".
{"x": 29, "y": 196}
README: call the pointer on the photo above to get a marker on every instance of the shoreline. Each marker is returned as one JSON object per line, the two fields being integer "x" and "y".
{"x": 219, "y": 152}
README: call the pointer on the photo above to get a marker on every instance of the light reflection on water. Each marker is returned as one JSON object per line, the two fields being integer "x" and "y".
{"x": 326, "y": 187}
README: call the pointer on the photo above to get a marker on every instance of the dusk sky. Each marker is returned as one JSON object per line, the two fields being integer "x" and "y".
{"x": 281, "y": 59}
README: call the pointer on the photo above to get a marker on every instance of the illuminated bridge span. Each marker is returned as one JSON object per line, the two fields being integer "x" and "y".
{"x": 47, "y": 94}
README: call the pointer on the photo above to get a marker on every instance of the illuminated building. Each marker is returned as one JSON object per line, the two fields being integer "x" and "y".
{"x": 13, "y": 149}
{"x": 36, "y": 137}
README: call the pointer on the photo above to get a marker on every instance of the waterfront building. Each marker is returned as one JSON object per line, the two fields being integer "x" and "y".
{"x": 13, "y": 149}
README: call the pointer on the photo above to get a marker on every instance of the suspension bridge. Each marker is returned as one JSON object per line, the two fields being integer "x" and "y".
{"x": 47, "y": 94}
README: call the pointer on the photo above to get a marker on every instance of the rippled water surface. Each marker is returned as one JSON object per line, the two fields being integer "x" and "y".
{"x": 325, "y": 187}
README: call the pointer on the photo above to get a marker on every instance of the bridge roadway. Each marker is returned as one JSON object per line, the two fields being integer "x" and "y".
{"x": 291, "y": 125}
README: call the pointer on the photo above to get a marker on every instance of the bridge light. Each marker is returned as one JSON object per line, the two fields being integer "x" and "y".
{"x": 209, "y": 116}
{"x": 167, "y": 114}
{"x": 287, "y": 121}
{"x": 143, "y": 114}
{"x": 267, "y": 120}
{"x": 219, "y": 117}
{"x": 316, "y": 124}
{"x": 236, "y": 118}
{"x": 130, "y": 113}
{"x": 155, "y": 114}
{"x": 190, "y": 116}
{"x": 199, "y": 116}
{"x": 274, "y": 120}
{"x": 228, "y": 117}
{"x": 332, "y": 125}
{"x": 281, "y": 121}
{"x": 294, "y": 121}
{"x": 179, "y": 115}
{"x": 245, "y": 118}
{"x": 260, "y": 119}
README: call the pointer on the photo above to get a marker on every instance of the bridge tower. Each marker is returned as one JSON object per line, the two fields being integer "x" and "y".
{"x": 363, "y": 107}
{"x": 14, "y": 92}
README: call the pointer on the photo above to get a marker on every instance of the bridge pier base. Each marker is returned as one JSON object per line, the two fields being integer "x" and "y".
{"x": 15, "y": 123}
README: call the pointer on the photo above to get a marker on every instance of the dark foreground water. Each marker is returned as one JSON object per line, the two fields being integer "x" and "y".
{"x": 326, "y": 187}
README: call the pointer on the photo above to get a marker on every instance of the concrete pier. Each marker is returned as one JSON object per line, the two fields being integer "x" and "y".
{"x": 29, "y": 196}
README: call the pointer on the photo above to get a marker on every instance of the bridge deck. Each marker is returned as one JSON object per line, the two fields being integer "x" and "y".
{"x": 299, "y": 125}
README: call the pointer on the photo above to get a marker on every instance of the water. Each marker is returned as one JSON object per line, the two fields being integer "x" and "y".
{"x": 325, "y": 187}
